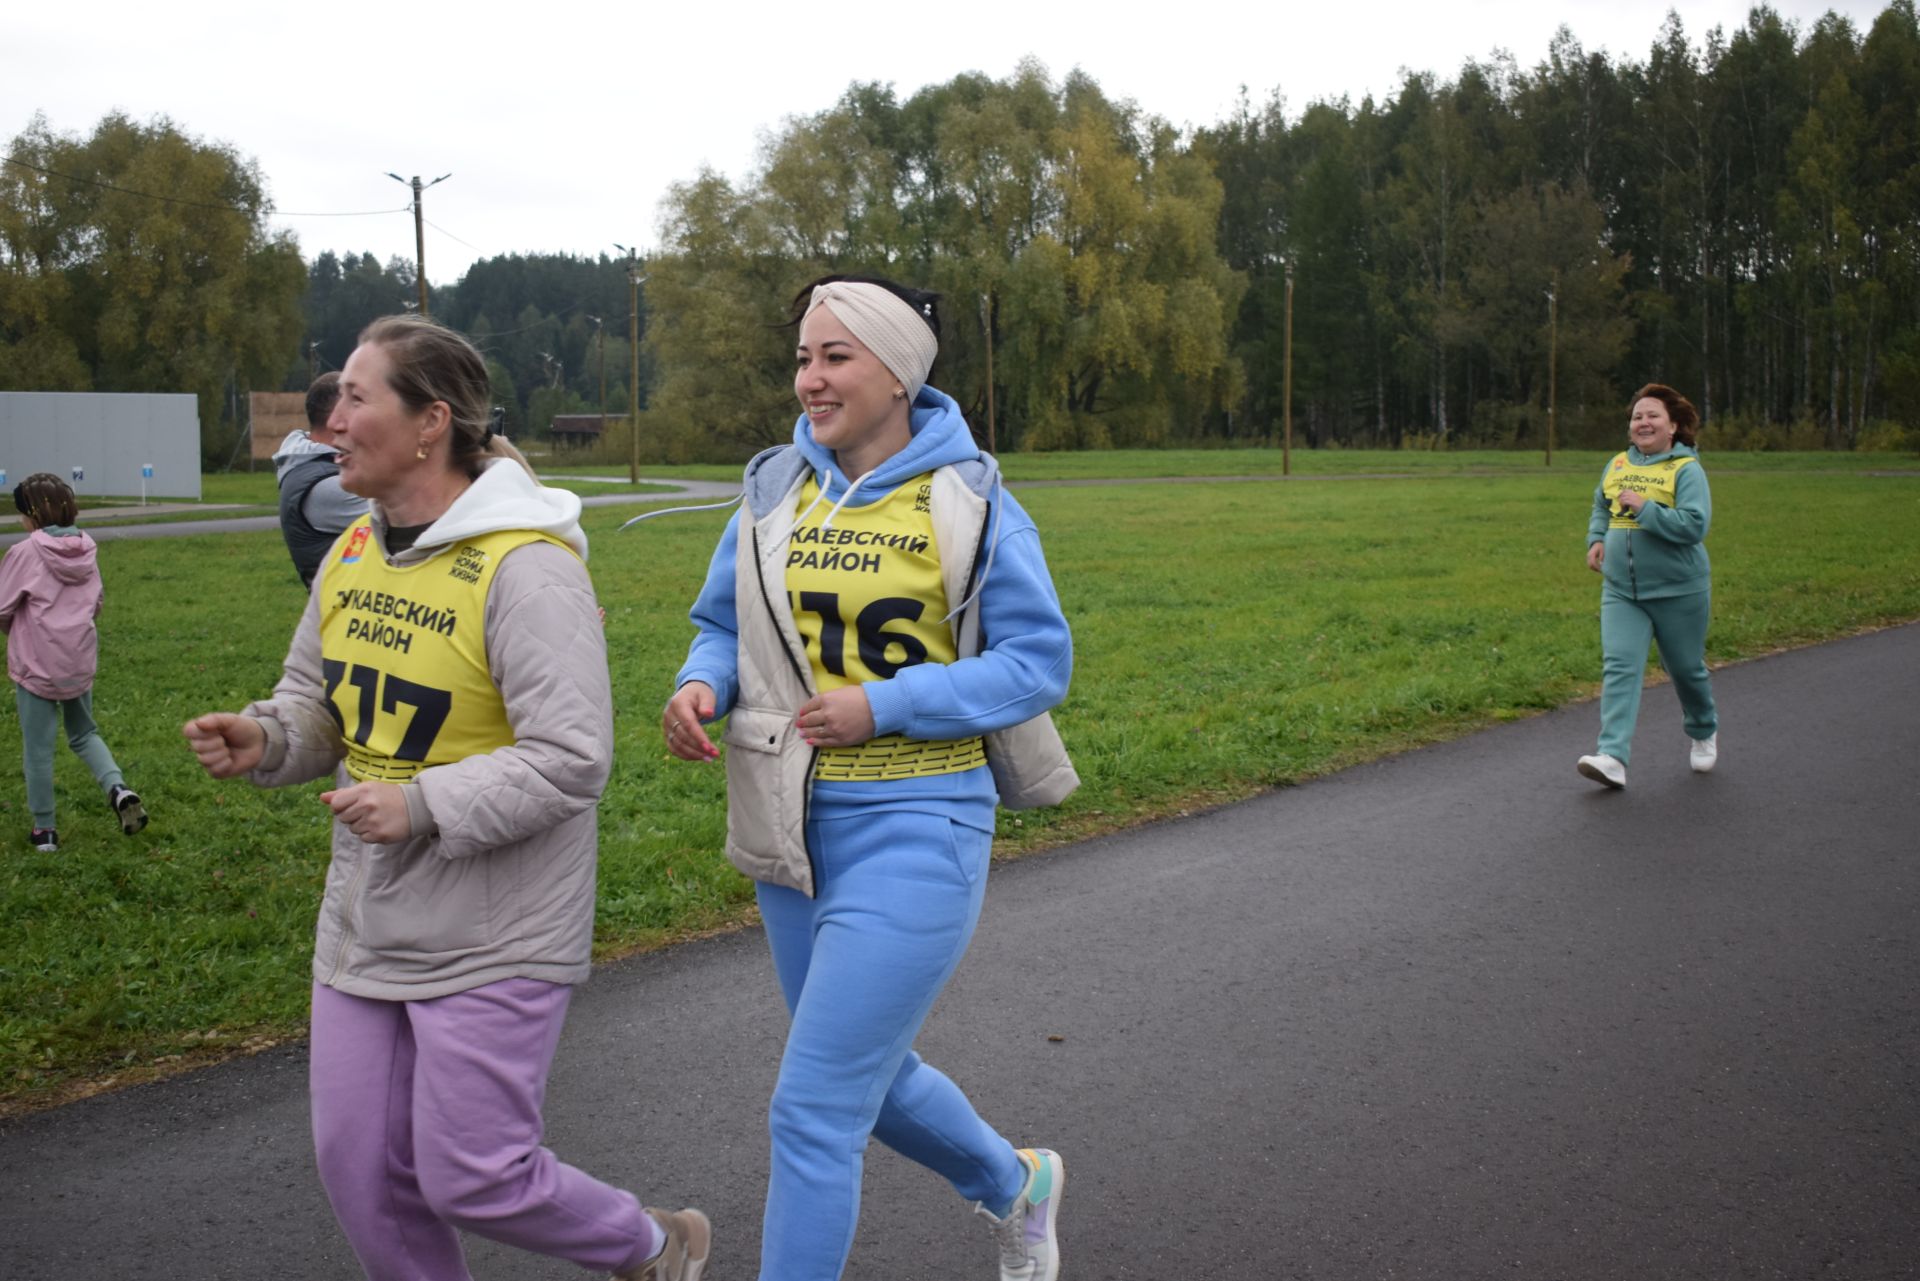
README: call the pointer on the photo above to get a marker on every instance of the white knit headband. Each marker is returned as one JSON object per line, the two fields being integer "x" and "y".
{"x": 889, "y": 326}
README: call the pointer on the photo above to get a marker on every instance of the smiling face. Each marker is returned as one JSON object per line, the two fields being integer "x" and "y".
{"x": 1650, "y": 427}
{"x": 848, "y": 394}
{"x": 375, "y": 436}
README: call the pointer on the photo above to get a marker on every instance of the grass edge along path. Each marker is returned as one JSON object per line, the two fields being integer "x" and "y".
{"x": 1230, "y": 639}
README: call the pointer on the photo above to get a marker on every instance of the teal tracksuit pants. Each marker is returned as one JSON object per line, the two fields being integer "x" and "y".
{"x": 1678, "y": 624}
{"x": 41, "y": 720}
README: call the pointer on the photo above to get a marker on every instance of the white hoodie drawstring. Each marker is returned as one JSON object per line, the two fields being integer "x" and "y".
{"x": 673, "y": 511}
{"x": 826, "y": 480}
{"x": 827, "y": 524}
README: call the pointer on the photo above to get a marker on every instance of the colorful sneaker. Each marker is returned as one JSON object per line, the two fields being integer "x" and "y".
{"x": 1028, "y": 1251}
{"x": 1602, "y": 768}
{"x": 126, "y": 804}
{"x": 1703, "y": 753}
{"x": 684, "y": 1256}
{"x": 44, "y": 838}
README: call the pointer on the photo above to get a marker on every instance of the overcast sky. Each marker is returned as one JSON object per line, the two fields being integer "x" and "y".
{"x": 563, "y": 125}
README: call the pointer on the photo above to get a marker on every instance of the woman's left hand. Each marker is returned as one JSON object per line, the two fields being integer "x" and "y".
{"x": 375, "y": 812}
{"x": 1632, "y": 500}
{"x": 837, "y": 718}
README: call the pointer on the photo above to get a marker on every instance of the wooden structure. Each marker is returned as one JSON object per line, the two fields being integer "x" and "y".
{"x": 579, "y": 431}
{"x": 271, "y": 415}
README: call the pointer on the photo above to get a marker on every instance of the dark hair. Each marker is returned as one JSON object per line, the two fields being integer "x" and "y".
{"x": 924, "y": 301}
{"x": 1685, "y": 417}
{"x": 432, "y": 363}
{"x": 323, "y": 393}
{"x": 45, "y": 499}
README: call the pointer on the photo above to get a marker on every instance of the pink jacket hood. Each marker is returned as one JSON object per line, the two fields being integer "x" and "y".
{"x": 49, "y": 596}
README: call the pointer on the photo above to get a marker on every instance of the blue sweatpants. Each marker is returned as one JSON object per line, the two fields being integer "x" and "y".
{"x": 1679, "y": 625}
{"x": 897, "y": 897}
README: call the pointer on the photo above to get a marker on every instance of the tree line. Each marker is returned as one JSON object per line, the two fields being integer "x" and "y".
{"x": 554, "y": 328}
{"x": 1735, "y": 216}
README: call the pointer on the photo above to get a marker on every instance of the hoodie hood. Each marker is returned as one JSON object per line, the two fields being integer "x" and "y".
{"x": 70, "y": 556}
{"x": 1675, "y": 450}
{"x": 297, "y": 448}
{"x": 504, "y": 497}
{"x": 940, "y": 436}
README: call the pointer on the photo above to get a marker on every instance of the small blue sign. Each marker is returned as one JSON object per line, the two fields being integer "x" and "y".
{"x": 146, "y": 471}
{"x": 79, "y": 474}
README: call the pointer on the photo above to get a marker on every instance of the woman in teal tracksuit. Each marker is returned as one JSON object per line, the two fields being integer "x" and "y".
{"x": 879, "y": 628}
{"x": 1650, "y": 516}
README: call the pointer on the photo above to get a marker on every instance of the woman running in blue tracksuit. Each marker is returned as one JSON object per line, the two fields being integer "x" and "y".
{"x": 1646, "y": 537}
{"x": 878, "y": 626}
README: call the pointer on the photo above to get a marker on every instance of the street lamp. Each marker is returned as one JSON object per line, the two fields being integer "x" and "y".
{"x": 1286, "y": 383}
{"x": 600, "y": 341}
{"x": 1553, "y": 354}
{"x": 419, "y": 234}
{"x": 634, "y": 281}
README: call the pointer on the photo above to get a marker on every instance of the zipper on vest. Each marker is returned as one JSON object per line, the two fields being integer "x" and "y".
{"x": 973, "y": 570}
{"x": 799, "y": 674}
{"x": 346, "y": 912}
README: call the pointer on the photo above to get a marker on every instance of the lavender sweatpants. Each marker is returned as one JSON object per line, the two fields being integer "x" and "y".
{"x": 426, "y": 1119}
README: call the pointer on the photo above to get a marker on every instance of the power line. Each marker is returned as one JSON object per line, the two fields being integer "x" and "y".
{"x": 450, "y": 236}
{"x": 200, "y": 204}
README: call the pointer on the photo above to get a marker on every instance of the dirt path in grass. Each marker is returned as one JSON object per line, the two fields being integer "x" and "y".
{"x": 1453, "y": 1014}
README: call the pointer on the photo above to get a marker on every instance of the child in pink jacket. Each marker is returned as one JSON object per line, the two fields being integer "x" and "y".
{"x": 49, "y": 596}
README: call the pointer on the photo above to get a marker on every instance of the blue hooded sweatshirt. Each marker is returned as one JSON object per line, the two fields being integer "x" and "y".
{"x": 1026, "y": 656}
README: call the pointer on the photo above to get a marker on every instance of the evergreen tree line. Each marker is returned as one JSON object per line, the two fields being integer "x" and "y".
{"x": 1735, "y": 216}
{"x": 552, "y": 327}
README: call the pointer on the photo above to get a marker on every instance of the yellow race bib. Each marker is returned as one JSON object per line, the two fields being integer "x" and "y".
{"x": 868, "y": 600}
{"x": 404, "y": 655}
{"x": 1658, "y": 481}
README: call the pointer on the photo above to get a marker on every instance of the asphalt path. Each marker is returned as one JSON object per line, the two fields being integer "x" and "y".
{"x": 1455, "y": 1014}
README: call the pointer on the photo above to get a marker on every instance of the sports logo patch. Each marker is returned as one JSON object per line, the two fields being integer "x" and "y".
{"x": 1619, "y": 462}
{"x": 350, "y": 554}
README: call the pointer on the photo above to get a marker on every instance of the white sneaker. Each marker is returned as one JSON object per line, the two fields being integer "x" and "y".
{"x": 1602, "y": 768}
{"x": 1703, "y": 753}
{"x": 1029, "y": 1249}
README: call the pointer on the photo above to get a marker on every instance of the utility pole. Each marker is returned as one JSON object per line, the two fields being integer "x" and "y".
{"x": 1286, "y": 385}
{"x": 600, "y": 340}
{"x": 313, "y": 361}
{"x": 1553, "y": 355}
{"x": 986, "y": 325}
{"x": 634, "y": 281}
{"x": 419, "y": 230}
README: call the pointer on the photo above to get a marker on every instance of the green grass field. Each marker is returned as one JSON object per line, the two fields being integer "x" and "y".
{"x": 1229, "y": 638}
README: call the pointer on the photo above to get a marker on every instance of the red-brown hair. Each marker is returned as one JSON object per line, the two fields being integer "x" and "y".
{"x": 1679, "y": 409}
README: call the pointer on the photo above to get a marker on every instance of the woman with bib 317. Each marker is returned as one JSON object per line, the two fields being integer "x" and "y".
{"x": 1646, "y": 538}
{"x": 880, "y": 629}
{"x": 450, "y": 670}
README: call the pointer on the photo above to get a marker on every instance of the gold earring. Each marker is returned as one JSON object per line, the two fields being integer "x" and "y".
{"x": 421, "y": 453}
{"x": 899, "y": 393}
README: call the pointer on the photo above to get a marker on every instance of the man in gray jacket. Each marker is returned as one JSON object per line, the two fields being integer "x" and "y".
{"x": 313, "y": 506}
